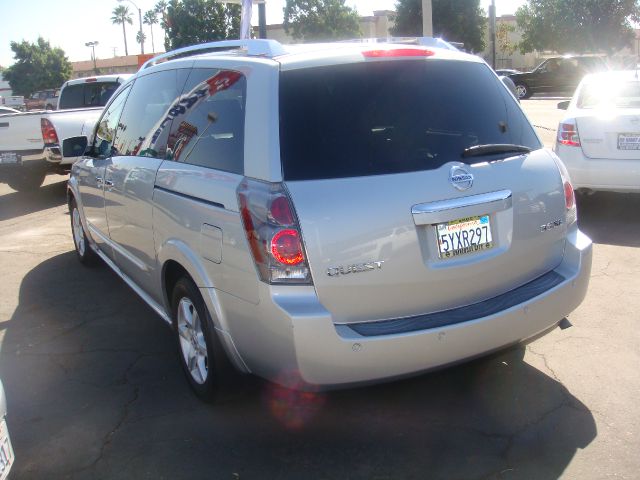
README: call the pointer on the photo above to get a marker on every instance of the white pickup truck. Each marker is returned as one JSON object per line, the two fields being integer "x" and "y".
{"x": 30, "y": 142}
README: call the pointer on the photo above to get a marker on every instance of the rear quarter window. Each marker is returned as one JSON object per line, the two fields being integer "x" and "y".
{"x": 375, "y": 118}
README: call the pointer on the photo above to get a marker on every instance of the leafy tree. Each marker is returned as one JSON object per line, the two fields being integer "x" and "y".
{"x": 37, "y": 66}
{"x": 189, "y": 22}
{"x": 317, "y": 20}
{"x": 454, "y": 20}
{"x": 503, "y": 42}
{"x": 161, "y": 9}
{"x": 577, "y": 25}
{"x": 151, "y": 18}
{"x": 121, "y": 15}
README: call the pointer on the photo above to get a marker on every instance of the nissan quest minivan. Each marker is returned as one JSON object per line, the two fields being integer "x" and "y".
{"x": 328, "y": 215}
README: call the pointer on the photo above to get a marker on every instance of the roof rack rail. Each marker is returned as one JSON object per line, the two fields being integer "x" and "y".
{"x": 424, "y": 41}
{"x": 253, "y": 47}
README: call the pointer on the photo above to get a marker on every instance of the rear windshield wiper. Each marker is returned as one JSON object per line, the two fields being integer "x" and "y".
{"x": 492, "y": 148}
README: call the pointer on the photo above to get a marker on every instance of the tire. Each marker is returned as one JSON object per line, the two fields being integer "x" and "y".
{"x": 523, "y": 91}
{"x": 200, "y": 352}
{"x": 26, "y": 180}
{"x": 85, "y": 253}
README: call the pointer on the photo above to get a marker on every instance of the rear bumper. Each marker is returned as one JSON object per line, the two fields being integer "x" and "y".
{"x": 291, "y": 339}
{"x": 600, "y": 173}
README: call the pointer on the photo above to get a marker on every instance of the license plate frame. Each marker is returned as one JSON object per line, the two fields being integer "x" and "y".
{"x": 452, "y": 242}
{"x": 9, "y": 158}
{"x": 629, "y": 141}
{"x": 6, "y": 451}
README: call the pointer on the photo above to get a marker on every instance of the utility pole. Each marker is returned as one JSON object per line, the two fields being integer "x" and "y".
{"x": 92, "y": 45}
{"x": 427, "y": 20}
{"x": 492, "y": 32}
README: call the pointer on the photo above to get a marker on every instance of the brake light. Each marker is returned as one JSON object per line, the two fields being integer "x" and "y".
{"x": 91, "y": 80}
{"x": 569, "y": 195}
{"x": 568, "y": 134}
{"x": 49, "y": 134}
{"x": 273, "y": 232}
{"x": 571, "y": 211}
{"x": 398, "y": 52}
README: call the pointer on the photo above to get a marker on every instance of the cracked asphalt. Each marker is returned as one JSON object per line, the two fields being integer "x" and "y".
{"x": 95, "y": 389}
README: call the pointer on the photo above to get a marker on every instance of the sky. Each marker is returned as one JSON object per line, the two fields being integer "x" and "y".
{"x": 69, "y": 24}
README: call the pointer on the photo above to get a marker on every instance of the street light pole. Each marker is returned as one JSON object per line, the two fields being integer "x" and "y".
{"x": 93, "y": 54}
{"x": 140, "y": 20}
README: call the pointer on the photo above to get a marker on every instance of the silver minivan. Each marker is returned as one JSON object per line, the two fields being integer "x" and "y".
{"x": 328, "y": 215}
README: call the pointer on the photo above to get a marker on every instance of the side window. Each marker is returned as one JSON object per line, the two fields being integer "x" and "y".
{"x": 72, "y": 96}
{"x": 151, "y": 98}
{"x": 106, "y": 129}
{"x": 207, "y": 121}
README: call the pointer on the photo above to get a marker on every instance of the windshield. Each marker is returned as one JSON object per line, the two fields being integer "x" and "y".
{"x": 608, "y": 93}
{"x": 378, "y": 118}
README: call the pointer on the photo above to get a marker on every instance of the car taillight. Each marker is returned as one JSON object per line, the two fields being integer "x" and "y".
{"x": 49, "y": 134}
{"x": 398, "y": 52}
{"x": 568, "y": 134}
{"x": 273, "y": 232}
{"x": 571, "y": 212}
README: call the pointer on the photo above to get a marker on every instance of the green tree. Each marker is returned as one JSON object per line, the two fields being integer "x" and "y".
{"x": 121, "y": 15}
{"x": 318, "y": 20}
{"x": 161, "y": 9}
{"x": 37, "y": 66}
{"x": 190, "y": 22}
{"x": 577, "y": 25}
{"x": 151, "y": 18}
{"x": 453, "y": 20}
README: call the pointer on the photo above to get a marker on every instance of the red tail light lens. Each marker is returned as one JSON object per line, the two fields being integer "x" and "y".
{"x": 49, "y": 134}
{"x": 273, "y": 233}
{"x": 398, "y": 52}
{"x": 569, "y": 195}
{"x": 568, "y": 134}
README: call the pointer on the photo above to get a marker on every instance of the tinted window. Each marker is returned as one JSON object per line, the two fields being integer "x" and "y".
{"x": 207, "y": 121}
{"x": 106, "y": 128}
{"x": 149, "y": 102}
{"x": 389, "y": 117}
{"x": 87, "y": 94}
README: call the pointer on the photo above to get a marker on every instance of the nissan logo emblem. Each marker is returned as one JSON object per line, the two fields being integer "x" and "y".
{"x": 460, "y": 178}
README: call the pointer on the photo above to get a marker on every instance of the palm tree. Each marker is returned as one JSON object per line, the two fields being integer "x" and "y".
{"x": 161, "y": 8}
{"x": 140, "y": 37}
{"x": 151, "y": 18}
{"x": 121, "y": 15}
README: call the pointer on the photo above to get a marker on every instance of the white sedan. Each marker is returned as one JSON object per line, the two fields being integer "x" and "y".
{"x": 599, "y": 137}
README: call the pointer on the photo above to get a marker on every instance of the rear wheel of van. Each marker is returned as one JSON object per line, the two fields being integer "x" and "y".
{"x": 26, "y": 180}
{"x": 201, "y": 354}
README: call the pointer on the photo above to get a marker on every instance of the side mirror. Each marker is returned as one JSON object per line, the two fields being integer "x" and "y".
{"x": 74, "y": 146}
{"x": 564, "y": 105}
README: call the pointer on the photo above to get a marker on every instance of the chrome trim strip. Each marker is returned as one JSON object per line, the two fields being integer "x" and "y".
{"x": 446, "y": 210}
{"x": 148, "y": 300}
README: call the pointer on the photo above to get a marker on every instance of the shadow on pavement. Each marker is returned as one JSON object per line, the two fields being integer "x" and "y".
{"x": 610, "y": 218}
{"x": 95, "y": 391}
{"x": 16, "y": 204}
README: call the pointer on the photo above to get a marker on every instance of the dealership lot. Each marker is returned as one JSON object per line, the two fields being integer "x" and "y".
{"x": 95, "y": 390}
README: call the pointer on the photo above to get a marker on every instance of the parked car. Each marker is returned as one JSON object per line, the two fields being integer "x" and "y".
{"x": 506, "y": 71}
{"x": 559, "y": 75}
{"x": 4, "y": 110}
{"x": 328, "y": 215}
{"x": 43, "y": 100}
{"x": 6, "y": 450}
{"x": 598, "y": 139}
{"x": 13, "y": 101}
{"x": 29, "y": 142}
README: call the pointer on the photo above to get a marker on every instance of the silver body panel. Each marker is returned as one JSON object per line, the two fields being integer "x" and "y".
{"x": 147, "y": 213}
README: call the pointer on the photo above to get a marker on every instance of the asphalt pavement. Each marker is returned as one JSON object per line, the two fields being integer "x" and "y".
{"x": 95, "y": 389}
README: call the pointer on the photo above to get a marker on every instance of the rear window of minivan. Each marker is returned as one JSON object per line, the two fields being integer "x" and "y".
{"x": 376, "y": 118}
{"x": 81, "y": 95}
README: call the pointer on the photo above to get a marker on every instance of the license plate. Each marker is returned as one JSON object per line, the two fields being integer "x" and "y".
{"x": 462, "y": 236}
{"x": 8, "y": 157}
{"x": 629, "y": 141}
{"x": 6, "y": 451}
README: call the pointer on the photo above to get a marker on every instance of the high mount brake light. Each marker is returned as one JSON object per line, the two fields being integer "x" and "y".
{"x": 398, "y": 52}
{"x": 273, "y": 233}
{"x": 49, "y": 134}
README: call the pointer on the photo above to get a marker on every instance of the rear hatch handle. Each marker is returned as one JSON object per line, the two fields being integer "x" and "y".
{"x": 452, "y": 209}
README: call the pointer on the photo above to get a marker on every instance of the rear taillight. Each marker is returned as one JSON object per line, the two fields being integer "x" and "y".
{"x": 571, "y": 212}
{"x": 273, "y": 233}
{"x": 49, "y": 134}
{"x": 568, "y": 133}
